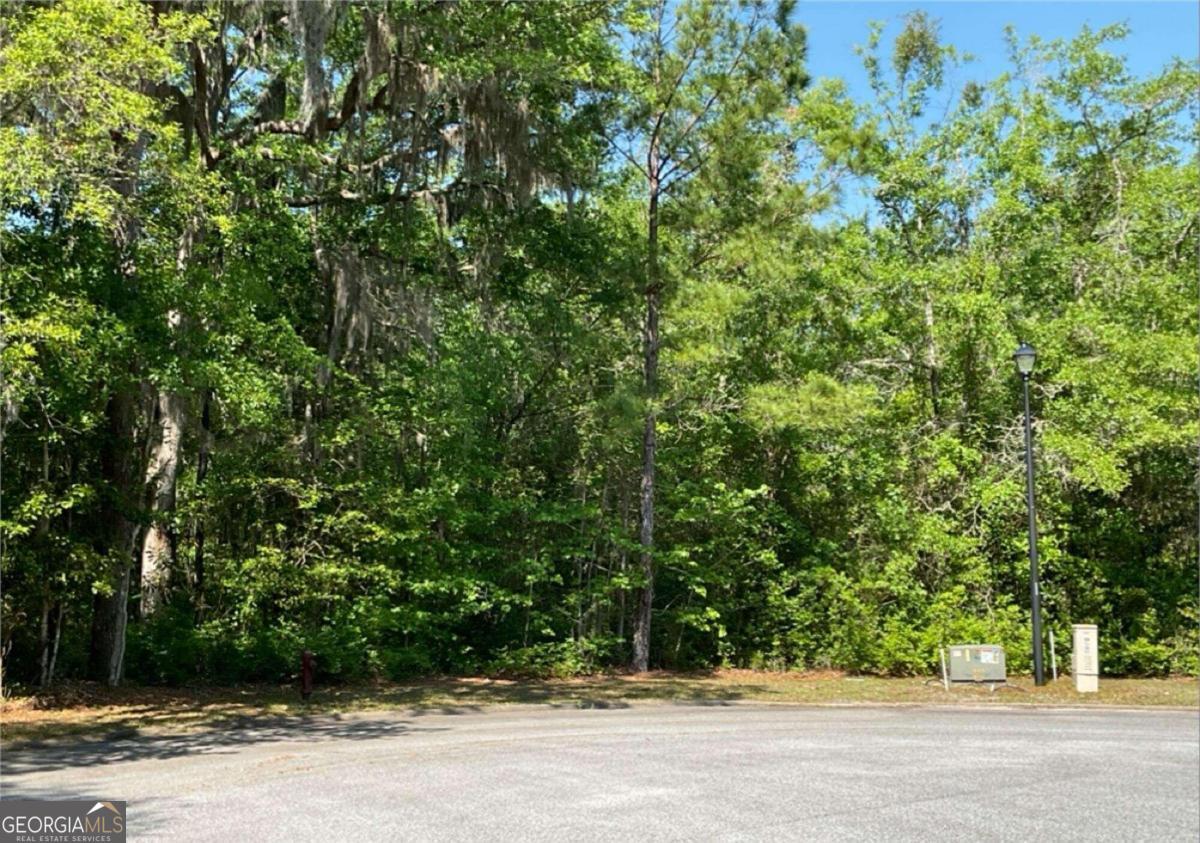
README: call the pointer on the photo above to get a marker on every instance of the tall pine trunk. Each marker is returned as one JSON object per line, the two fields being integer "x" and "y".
{"x": 645, "y": 605}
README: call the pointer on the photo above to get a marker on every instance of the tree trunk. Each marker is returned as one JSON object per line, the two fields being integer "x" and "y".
{"x": 932, "y": 364}
{"x": 202, "y": 462}
{"x": 162, "y": 472}
{"x": 110, "y": 611}
{"x": 623, "y": 560}
{"x": 48, "y": 654}
{"x": 43, "y": 531}
{"x": 58, "y": 623}
{"x": 118, "y": 532}
{"x": 44, "y": 644}
{"x": 641, "y": 626}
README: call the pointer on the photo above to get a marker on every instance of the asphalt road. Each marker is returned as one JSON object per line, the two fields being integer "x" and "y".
{"x": 670, "y": 772}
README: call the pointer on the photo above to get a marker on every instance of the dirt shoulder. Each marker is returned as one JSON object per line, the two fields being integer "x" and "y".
{"x": 88, "y": 709}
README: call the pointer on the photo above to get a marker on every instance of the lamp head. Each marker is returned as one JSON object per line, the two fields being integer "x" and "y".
{"x": 1024, "y": 357}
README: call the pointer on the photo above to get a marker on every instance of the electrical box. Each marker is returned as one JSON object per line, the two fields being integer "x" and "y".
{"x": 1085, "y": 658}
{"x": 977, "y": 663}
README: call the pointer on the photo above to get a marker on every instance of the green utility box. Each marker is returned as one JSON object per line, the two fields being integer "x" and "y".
{"x": 977, "y": 663}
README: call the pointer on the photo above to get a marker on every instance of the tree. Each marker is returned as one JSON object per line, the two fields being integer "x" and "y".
{"x": 208, "y": 122}
{"x": 707, "y": 81}
{"x": 316, "y": 326}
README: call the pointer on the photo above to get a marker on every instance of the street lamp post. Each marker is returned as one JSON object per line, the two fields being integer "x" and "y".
{"x": 1024, "y": 357}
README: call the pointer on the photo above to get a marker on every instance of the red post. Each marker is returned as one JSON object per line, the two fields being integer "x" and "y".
{"x": 306, "y": 674}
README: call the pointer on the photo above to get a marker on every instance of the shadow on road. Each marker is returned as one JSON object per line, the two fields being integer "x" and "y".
{"x": 84, "y": 725}
{"x": 129, "y": 744}
{"x": 129, "y": 739}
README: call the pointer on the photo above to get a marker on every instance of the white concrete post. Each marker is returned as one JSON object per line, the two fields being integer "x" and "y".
{"x": 1053, "y": 658}
{"x": 1085, "y": 658}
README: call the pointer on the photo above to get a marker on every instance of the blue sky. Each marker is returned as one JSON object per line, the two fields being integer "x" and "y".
{"x": 1160, "y": 30}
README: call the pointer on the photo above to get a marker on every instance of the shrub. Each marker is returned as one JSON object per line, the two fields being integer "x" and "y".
{"x": 555, "y": 659}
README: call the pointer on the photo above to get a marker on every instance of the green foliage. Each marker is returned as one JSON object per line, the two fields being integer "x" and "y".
{"x": 560, "y": 659}
{"x": 74, "y": 77}
{"x": 405, "y": 335}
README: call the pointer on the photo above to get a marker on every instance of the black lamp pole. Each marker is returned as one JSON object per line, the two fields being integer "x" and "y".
{"x": 1024, "y": 357}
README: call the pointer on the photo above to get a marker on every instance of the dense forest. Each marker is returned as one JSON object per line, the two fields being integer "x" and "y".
{"x": 546, "y": 338}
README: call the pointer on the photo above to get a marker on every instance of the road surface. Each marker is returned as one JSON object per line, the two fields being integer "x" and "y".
{"x": 664, "y": 772}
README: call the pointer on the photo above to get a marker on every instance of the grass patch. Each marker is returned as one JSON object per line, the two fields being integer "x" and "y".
{"x": 88, "y": 709}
